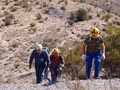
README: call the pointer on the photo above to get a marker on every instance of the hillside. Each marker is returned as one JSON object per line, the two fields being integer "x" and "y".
{"x": 108, "y": 5}
{"x": 24, "y": 23}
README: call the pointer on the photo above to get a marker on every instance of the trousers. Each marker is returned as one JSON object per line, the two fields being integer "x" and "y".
{"x": 97, "y": 61}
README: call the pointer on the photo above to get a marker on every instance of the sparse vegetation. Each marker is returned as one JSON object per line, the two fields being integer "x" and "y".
{"x": 74, "y": 55}
{"x": 32, "y": 24}
{"x": 25, "y": 3}
{"x": 66, "y": 2}
{"x": 13, "y": 8}
{"x": 73, "y": 63}
{"x": 8, "y": 19}
{"x": 82, "y": 1}
{"x": 50, "y": 0}
{"x": 33, "y": 27}
{"x": 79, "y": 15}
{"x": 63, "y": 8}
{"x": 6, "y": 2}
{"x": 45, "y": 4}
{"x": 39, "y": 16}
{"x": 71, "y": 22}
{"x": 17, "y": 65}
{"x": 107, "y": 17}
{"x": 112, "y": 42}
{"x": 89, "y": 9}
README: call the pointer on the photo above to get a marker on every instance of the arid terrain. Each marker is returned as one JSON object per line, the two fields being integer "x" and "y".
{"x": 24, "y": 23}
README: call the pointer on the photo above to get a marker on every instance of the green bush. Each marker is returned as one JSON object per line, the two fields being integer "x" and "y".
{"x": 73, "y": 55}
{"x": 112, "y": 42}
{"x": 73, "y": 63}
{"x": 79, "y": 15}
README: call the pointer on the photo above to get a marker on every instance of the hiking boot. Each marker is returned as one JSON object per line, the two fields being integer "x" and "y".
{"x": 96, "y": 77}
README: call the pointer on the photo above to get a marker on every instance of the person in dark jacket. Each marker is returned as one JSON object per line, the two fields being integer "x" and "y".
{"x": 56, "y": 65}
{"x": 41, "y": 61}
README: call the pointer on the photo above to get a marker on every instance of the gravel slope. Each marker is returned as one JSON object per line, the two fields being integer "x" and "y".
{"x": 98, "y": 84}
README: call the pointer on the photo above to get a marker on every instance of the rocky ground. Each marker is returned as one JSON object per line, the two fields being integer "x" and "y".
{"x": 109, "y": 84}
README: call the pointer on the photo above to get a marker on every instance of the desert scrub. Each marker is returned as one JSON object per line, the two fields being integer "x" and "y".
{"x": 71, "y": 22}
{"x": 63, "y": 8}
{"x": 6, "y": 2}
{"x": 79, "y": 15}
{"x": 112, "y": 43}
{"x": 106, "y": 17}
{"x": 73, "y": 63}
{"x": 13, "y": 8}
{"x": 82, "y": 1}
{"x": 75, "y": 85}
{"x": 45, "y": 4}
{"x": 38, "y": 16}
{"x": 32, "y": 24}
{"x": 8, "y": 20}
{"x": 73, "y": 55}
{"x": 25, "y": 3}
{"x": 33, "y": 27}
{"x": 16, "y": 65}
{"x": 66, "y": 2}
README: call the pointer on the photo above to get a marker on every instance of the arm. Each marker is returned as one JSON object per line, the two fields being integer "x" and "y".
{"x": 31, "y": 59}
{"x": 84, "y": 47}
{"x": 47, "y": 59}
{"x": 102, "y": 47}
{"x": 62, "y": 62}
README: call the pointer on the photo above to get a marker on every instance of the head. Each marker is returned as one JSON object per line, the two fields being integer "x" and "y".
{"x": 56, "y": 51}
{"x": 94, "y": 32}
{"x": 39, "y": 48}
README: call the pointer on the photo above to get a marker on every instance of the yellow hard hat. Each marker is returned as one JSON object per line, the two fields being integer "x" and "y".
{"x": 56, "y": 50}
{"x": 94, "y": 30}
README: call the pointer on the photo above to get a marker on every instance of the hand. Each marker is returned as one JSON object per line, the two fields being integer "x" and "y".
{"x": 103, "y": 56}
{"x": 60, "y": 69}
{"x": 47, "y": 69}
{"x": 83, "y": 57}
{"x": 29, "y": 66}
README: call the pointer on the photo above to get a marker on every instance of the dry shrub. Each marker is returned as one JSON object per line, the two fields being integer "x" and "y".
{"x": 112, "y": 42}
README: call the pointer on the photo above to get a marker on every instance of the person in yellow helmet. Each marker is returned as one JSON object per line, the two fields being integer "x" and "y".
{"x": 93, "y": 48}
{"x": 57, "y": 64}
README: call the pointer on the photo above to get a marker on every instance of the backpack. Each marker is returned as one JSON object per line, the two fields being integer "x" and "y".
{"x": 46, "y": 49}
{"x": 89, "y": 36}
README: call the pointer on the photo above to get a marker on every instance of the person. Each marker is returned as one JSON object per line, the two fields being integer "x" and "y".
{"x": 56, "y": 65}
{"x": 46, "y": 71}
{"x": 93, "y": 48}
{"x": 42, "y": 61}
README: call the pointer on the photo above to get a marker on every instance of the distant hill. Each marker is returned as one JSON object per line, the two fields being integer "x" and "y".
{"x": 108, "y": 5}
